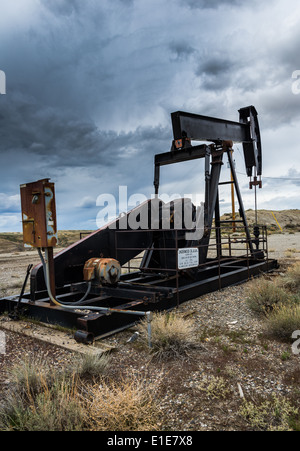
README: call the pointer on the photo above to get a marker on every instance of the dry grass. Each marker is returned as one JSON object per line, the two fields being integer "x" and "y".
{"x": 129, "y": 405}
{"x": 42, "y": 399}
{"x": 30, "y": 376}
{"x": 292, "y": 278}
{"x": 172, "y": 335}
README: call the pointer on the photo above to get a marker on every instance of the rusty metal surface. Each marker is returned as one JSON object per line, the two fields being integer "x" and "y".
{"x": 39, "y": 214}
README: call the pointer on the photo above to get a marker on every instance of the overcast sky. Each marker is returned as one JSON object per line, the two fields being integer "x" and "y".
{"x": 91, "y": 85}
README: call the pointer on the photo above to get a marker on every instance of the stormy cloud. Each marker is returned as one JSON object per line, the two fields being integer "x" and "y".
{"x": 90, "y": 87}
{"x": 213, "y": 4}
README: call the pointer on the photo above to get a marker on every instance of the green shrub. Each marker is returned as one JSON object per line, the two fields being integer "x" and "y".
{"x": 264, "y": 295}
{"x": 284, "y": 321}
{"x": 214, "y": 387}
{"x": 91, "y": 365}
{"x": 276, "y": 414}
{"x": 53, "y": 407}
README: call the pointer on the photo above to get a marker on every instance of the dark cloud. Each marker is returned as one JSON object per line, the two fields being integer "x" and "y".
{"x": 181, "y": 50}
{"x": 213, "y": 4}
{"x": 47, "y": 143}
{"x": 47, "y": 132}
{"x": 216, "y": 71}
{"x": 215, "y": 66}
{"x": 294, "y": 176}
{"x": 69, "y": 7}
{"x": 91, "y": 85}
{"x": 65, "y": 139}
{"x": 61, "y": 7}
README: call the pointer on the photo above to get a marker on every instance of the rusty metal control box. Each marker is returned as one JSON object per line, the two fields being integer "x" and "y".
{"x": 39, "y": 214}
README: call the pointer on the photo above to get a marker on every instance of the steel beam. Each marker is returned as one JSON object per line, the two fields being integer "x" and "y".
{"x": 204, "y": 128}
{"x": 178, "y": 156}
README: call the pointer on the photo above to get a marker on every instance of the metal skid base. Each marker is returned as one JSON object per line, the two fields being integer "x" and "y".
{"x": 138, "y": 292}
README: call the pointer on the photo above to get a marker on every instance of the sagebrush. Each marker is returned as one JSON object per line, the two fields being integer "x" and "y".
{"x": 283, "y": 322}
{"x": 264, "y": 295}
{"x": 172, "y": 335}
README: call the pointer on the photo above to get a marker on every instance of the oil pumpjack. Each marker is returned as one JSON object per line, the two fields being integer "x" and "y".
{"x": 178, "y": 248}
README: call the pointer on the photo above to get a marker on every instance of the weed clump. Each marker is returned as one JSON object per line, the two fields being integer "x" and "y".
{"x": 283, "y": 322}
{"x": 291, "y": 279}
{"x": 93, "y": 365}
{"x": 278, "y": 300}
{"x": 275, "y": 414}
{"x": 264, "y": 295}
{"x": 43, "y": 399}
{"x": 214, "y": 387}
{"x": 128, "y": 405}
{"x": 173, "y": 336}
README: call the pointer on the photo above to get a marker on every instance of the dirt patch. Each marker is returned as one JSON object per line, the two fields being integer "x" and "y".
{"x": 284, "y": 246}
{"x": 13, "y": 270}
{"x": 13, "y": 242}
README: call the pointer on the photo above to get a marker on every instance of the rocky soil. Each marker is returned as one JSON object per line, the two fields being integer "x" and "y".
{"x": 233, "y": 349}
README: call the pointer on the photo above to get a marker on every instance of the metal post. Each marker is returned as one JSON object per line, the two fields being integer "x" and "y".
{"x": 207, "y": 186}
{"x": 242, "y": 210}
{"x": 177, "y": 272}
{"x": 229, "y": 244}
{"x": 156, "y": 179}
{"x": 233, "y": 201}
{"x": 149, "y": 316}
{"x": 218, "y": 227}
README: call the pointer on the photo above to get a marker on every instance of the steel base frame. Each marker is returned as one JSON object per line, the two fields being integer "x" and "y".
{"x": 142, "y": 292}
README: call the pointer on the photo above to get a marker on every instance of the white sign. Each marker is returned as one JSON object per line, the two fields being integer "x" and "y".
{"x": 188, "y": 258}
{"x": 296, "y": 345}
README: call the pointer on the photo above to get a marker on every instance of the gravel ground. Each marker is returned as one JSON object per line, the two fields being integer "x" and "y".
{"x": 233, "y": 348}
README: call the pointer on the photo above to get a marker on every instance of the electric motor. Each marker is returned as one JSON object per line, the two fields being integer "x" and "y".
{"x": 102, "y": 271}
